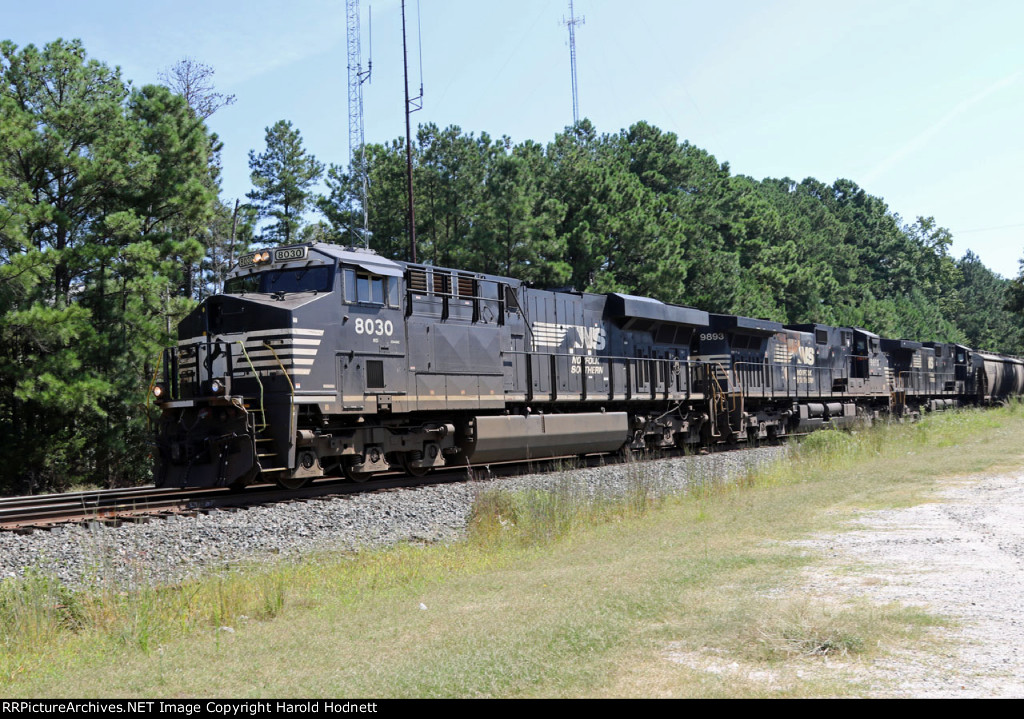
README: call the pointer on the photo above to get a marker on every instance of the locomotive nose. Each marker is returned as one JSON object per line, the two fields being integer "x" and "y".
{"x": 225, "y": 314}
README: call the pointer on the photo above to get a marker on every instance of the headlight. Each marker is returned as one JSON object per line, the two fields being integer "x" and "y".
{"x": 159, "y": 392}
{"x": 215, "y": 387}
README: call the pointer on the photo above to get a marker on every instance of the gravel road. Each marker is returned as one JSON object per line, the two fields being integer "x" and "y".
{"x": 961, "y": 556}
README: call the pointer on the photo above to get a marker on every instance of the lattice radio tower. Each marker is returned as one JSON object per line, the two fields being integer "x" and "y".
{"x": 356, "y": 138}
{"x": 571, "y": 23}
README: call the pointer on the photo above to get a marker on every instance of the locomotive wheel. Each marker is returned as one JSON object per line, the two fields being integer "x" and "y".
{"x": 405, "y": 459}
{"x": 292, "y": 482}
{"x": 352, "y": 476}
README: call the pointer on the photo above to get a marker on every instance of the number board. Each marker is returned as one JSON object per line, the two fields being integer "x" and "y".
{"x": 290, "y": 253}
{"x": 282, "y": 254}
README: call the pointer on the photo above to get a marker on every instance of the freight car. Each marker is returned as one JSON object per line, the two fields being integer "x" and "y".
{"x": 320, "y": 360}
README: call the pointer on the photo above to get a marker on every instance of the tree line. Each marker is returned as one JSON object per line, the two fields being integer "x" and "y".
{"x": 112, "y": 227}
{"x": 640, "y": 211}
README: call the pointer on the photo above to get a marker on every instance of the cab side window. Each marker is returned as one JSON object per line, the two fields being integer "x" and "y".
{"x": 363, "y": 287}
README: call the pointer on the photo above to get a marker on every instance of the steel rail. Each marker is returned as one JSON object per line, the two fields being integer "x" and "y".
{"x": 42, "y": 512}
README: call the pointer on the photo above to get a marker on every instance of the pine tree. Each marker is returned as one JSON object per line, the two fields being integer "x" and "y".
{"x": 94, "y": 183}
{"x": 283, "y": 177}
{"x": 64, "y": 147}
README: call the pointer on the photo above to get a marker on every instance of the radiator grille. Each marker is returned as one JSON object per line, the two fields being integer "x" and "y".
{"x": 418, "y": 281}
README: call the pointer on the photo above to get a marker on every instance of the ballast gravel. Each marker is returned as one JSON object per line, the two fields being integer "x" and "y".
{"x": 170, "y": 549}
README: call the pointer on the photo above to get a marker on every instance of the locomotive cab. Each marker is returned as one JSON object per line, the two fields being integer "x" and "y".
{"x": 251, "y": 367}
{"x": 371, "y": 345}
{"x": 952, "y": 365}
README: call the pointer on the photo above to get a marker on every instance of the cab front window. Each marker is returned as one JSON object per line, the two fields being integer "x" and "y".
{"x": 302, "y": 279}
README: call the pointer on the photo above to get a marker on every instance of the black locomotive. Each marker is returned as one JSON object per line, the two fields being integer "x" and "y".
{"x": 321, "y": 360}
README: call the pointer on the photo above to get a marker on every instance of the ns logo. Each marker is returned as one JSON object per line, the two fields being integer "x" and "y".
{"x": 590, "y": 338}
{"x": 805, "y": 355}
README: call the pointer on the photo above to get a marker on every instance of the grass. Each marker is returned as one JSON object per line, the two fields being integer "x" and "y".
{"x": 541, "y": 516}
{"x": 565, "y": 593}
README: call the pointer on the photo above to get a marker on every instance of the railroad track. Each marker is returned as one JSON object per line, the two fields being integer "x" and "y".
{"x": 26, "y": 514}
{"x": 117, "y": 506}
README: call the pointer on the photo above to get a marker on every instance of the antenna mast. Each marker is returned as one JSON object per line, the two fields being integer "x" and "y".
{"x": 356, "y": 137}
{"x": 571, "y": 23}
{"x": 411, "y": 106}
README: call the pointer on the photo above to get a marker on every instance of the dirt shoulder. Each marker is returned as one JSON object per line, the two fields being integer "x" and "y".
{"x": 961, "y": 557}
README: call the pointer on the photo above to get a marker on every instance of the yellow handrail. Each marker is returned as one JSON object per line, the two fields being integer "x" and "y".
{"x": 291, "y": 413}
{"x": 258, "y": 381}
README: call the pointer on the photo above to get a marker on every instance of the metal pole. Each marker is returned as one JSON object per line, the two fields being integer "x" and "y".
{"x": 408, "y": 146}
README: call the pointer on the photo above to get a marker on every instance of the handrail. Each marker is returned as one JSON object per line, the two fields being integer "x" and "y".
{"x": 255, "y": 374}
{"x": 291, "y": 412}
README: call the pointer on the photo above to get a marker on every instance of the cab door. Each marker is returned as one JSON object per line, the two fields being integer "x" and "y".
{"x": 374, "y": 365}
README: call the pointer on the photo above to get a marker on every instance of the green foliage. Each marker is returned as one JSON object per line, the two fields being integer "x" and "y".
{"x": 231, "y": 232}
{"x": 992, "y": 315}
{"x": 37, "y": 609}
{"x": 102, "y": 192}
{"x": 283, "y": 176}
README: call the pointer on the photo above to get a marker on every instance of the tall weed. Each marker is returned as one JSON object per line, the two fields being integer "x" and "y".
{"x": 37, "y": 608}
{"x": 540, "y": 516}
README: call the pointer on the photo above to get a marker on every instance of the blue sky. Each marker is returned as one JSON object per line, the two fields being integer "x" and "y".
{"x": 920, "y": 102}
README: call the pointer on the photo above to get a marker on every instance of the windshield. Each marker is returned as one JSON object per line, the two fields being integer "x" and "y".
{"x": 303, "y": 279}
